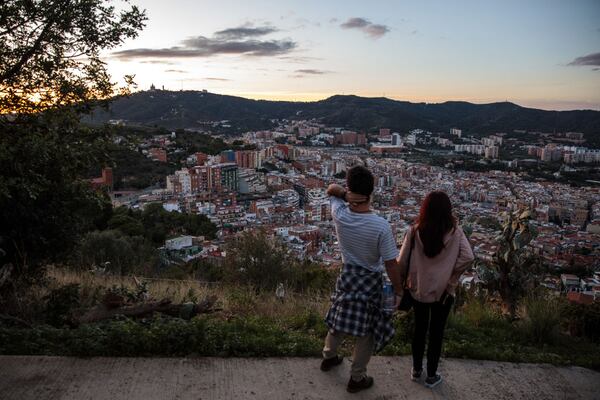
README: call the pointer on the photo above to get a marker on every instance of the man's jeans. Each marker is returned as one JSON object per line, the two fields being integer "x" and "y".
{"x": 363, "y": 349}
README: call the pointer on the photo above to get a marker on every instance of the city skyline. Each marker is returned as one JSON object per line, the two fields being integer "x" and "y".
{"x": 539, "y": 54}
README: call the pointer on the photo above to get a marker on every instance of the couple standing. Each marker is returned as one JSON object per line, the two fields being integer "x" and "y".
{"x": 434, "y": 254}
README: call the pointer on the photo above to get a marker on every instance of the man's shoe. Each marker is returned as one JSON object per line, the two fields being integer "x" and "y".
{"x": 416, "y": 375}
{"x": 329, "y": 363}
{"x": 433, "y": 381}
{"x": 356, "y": 386}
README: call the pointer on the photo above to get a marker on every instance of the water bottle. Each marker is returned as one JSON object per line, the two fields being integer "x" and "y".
{"x": 388, "y": 298}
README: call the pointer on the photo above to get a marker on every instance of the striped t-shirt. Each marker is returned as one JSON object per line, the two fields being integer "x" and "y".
{"x": 365, "y": 239}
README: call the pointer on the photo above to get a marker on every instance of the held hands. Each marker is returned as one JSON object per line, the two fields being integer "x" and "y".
{"x": 398, "y": 300}
{"x": 353, "y": 198}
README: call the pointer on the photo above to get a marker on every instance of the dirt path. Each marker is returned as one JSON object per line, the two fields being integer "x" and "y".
{"x": 29, "y": 378}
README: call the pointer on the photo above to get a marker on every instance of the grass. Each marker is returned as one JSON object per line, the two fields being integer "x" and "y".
{"x": 257, "y": 324}
{"x": 233, "y": 300}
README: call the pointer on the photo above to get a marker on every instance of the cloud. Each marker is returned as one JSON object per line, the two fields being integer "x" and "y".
{"x": 245, "y": 32}
{"x": 164, "y": 62}
{"x": 312, "y": 71}
{"x": 372, "y": 30}
{"x": 302, "y": 23}
{"x": 299, "y": 59}
{"x": 302, "y": 73}
{"x": 234, "y": 41}
{"x": 355, "y": 23}
{"x": 590, "y": 59}
{"x": 176, "y": 71}
{"x": 217, "y": 79}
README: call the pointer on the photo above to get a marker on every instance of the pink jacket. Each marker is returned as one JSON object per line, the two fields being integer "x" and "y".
{"x": 430, "y": 277}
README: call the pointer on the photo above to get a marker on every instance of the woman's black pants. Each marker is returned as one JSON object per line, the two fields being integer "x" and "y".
{"x": 429, "y": 317}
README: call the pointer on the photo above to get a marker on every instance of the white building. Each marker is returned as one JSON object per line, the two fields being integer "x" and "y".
{"x": 179, "y": 243}
{"x": 456, "y": 132}
{"x": 491, "y": 152}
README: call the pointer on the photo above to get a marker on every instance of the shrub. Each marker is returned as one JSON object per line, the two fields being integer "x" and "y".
{"x": 116, "y": 252}
{"x": 238, "y": 337}
{"x": 263, "y": 262}
{"x": 60, "y": 304}
{"x": 206, "y": 271}
{"x": 583, "y": 320}
{"x": 242, "y": 299}
{"x": 257, "y": 260}
{"x": 541, "y": 322}
{"x": 311, "y": 276}
{"x": 479, "y": 313}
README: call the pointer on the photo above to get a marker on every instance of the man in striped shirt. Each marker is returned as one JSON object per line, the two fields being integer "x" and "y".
{"x": 368, "y": 248}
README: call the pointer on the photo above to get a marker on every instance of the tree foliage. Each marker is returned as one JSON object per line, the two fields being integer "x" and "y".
{"x": 263, "y": 262}
{"x": 44, "y": 206}
{"x": 114, "y": 252}
{"x": 50, "y": 51}
{"x": 50, "y": 72}
{"x": 255, "y": 259}
{"x": 157, "y": 224}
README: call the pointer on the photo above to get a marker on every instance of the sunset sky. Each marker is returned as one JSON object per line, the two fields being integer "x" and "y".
{"x": 544, "y": 54}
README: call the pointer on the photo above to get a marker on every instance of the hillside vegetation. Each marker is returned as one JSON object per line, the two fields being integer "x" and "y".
{"x": 190, "y": 109}
{"x": 253, "y": 323}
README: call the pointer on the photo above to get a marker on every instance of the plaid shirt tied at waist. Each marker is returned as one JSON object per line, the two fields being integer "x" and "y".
{"x": 356, "y": 306}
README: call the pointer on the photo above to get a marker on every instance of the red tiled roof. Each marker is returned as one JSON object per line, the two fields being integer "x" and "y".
{"x": 580, "y": 298}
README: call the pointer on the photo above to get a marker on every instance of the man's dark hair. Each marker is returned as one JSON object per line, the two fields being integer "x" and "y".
{"x": 360, "y": 180}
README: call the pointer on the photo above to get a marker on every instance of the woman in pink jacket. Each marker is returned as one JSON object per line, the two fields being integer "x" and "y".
{"x": 434, "y": 254}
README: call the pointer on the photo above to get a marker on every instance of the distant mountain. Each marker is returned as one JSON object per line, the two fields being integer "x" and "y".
{"x": 188, "y": 109}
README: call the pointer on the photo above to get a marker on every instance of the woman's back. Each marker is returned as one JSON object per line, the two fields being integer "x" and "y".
{"x": 429, "y": 277}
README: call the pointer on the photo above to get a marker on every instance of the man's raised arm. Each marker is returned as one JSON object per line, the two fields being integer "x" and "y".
{"x": 336, "y": 190}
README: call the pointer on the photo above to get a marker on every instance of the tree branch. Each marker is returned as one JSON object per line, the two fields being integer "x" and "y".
{"x": 14, "y": 70}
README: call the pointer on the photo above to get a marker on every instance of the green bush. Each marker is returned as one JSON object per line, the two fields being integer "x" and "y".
{"x": 311, "y": 276}
{"x": 60, "y": 304}
{"x": 478, "y": 312}
{"x": 240, "y": 337}
{"x": 263, "y": 262}
{"x": 206, "y": 271}
{"x": 541, "y": 322}
{"x": 115, "y": 251}
{"x": 583, "y": 320}
{"x": 475, "y": 330}
{"x": 256, "y": 260}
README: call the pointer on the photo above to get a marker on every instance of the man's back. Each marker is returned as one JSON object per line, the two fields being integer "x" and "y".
{"x": 365, "y": 239}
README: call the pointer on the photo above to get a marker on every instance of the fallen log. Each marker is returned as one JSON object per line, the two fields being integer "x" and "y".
{"x": 184, "y": 310}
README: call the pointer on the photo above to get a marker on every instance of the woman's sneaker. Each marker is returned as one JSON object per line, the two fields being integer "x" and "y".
{"x": 356, "y": 386}
{"x": 416, "y": 375}
{"x": 433, "y": 381}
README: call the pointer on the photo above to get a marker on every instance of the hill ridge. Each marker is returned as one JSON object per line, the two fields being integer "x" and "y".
{"x": 190, "y": 109}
